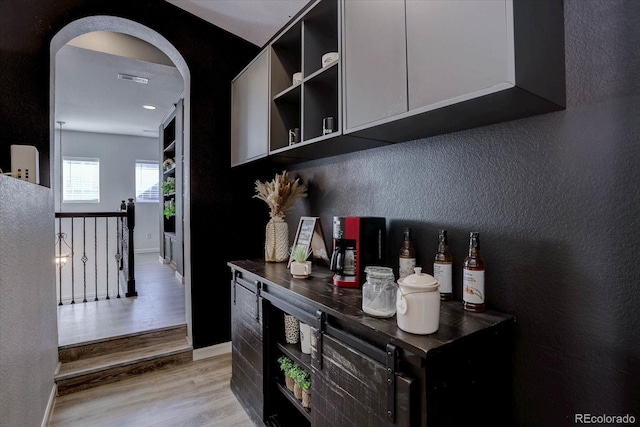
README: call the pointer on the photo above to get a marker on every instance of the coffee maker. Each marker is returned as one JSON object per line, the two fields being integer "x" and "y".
{"x": 357, "y": 242}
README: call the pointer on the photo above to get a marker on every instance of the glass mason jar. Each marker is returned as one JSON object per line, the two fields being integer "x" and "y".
{"x": 379, "y": 292}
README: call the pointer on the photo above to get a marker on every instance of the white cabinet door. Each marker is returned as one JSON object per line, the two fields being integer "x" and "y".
{"x": 457, "y": 50}
{"x": 250, "y": 112}
{"x": 374, "y": 60}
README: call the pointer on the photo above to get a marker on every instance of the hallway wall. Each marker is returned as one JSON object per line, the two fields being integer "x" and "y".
{"x": 28, "y": 332}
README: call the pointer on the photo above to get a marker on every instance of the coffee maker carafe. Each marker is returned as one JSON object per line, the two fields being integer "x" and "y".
{"x": 357, "y": 243}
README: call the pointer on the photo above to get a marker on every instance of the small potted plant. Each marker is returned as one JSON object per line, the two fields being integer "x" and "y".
{"x": 169, "y": 209}
{"x": 304, "y": 381}
{"x": 286, "y": 366}
{"x": 300, "y": 266}
{"x": 168, "y": 164}
{"x": 169, "y": 186}
{"x": 297, "y": 373}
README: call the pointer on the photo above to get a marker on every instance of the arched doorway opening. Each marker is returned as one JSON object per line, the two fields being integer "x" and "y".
{"x": 134, "y": 29}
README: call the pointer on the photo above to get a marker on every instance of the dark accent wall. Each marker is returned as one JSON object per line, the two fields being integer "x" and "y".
{"x": 214, "y": 57}
{"x": 556, "y": 200}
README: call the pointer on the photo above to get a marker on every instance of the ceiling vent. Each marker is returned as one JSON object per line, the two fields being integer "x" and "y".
{"x": 131, "y": 78}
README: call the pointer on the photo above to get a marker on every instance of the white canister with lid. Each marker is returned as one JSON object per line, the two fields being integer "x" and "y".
{"x": 418, "y": 303}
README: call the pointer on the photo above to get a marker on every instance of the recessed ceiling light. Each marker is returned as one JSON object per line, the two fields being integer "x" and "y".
{"x": 148, "y": 107}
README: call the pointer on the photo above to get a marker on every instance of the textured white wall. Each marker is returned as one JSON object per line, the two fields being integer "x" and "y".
{"x": 28, "y": 327}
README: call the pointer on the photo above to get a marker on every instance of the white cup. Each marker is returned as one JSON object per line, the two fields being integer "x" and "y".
{"x": 297, "y": 78}
{"x": 329, "y": 58}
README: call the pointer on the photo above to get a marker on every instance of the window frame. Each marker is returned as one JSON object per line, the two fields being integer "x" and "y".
{"x": 157, "y": 178}
{"x": 65, "y": 160}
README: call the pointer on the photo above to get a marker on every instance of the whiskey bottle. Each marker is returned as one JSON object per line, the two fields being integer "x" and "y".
{"x": 473, "y": 276}
{"x": 407, "y": 257}
{"x": 442, "y": 267}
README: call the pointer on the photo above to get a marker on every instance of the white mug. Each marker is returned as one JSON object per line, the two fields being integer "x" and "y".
{"x": 297, "y": 78}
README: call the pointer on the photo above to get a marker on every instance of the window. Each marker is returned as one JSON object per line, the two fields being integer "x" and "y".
{"x": 80, "y": 180}
{"x": 147, "y": 181}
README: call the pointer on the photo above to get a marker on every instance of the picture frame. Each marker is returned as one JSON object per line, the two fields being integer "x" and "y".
{"x": 309, "y": 235}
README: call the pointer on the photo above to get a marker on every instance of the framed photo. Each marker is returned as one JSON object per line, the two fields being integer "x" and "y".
{"x": 309, "y": 235}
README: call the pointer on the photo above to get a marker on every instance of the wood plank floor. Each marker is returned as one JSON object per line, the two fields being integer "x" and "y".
{"x": 191, "y": 394}
{"x": 194, "y": 394}
{"x": 160, "y": 303}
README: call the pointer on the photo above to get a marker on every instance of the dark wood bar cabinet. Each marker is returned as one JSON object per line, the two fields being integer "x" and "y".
{"x": 364, "y": 371}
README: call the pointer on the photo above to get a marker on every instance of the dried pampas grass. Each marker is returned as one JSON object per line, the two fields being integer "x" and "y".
{"x": 280, "y": 193}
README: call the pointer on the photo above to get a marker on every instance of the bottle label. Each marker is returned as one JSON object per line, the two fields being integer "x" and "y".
{"x": 406, "y": 267}
{"x": 473, "y": 286}
{"x": 442, "y": 273}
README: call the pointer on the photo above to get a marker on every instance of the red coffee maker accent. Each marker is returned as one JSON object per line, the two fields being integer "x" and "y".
{"x": 357, "y": 242}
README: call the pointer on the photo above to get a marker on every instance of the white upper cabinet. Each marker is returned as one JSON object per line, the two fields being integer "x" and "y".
{"x": 250, "y": 112}
{"x": 407, "y": 69}
{"x": 375, "y": 63}
{"x": 457, "y": 50}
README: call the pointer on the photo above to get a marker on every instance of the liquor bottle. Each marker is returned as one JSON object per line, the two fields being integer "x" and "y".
{"x": 473, "y": 276}
{"x": 407, "y": 259}
{"x": 442, "y": 267}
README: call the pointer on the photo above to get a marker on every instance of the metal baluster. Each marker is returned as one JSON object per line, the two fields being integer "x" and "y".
{"x": 106, "y": 222}
{"x": 118, "y": 227}
{"x": 73, "y": 292}
{"x": 84, "y": 257}
{"x": 60, "y": 257}
{"x": 95, "y": 252}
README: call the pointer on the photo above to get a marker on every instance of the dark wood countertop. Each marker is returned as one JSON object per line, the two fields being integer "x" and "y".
{"x": 345, "y": 306}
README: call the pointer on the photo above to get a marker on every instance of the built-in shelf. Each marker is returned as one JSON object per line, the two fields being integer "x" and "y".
{"x": 306, "y": 412}
{"x": 503, "y": 63}
{"x": 170, "y": 171}
{"x": 293, "y": 352}
{"x": 170, "y": 147}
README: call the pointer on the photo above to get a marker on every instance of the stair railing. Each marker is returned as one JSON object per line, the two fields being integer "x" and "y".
{"x": 94, "y": 251}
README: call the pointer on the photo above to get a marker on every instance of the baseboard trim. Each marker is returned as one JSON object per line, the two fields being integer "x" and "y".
{"x": 49, "y": 410}
{"x": 146, "y": 251}
{"x": 180, "y": 277}
{"x": 212, "y": 351}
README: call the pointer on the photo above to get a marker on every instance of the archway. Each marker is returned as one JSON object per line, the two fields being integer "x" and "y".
{"x": 125, "y": 26}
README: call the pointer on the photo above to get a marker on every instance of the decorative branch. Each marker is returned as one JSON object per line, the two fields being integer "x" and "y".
{"x": 280, "y": 193}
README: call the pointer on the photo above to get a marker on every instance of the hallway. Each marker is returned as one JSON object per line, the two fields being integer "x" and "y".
{"x": 193, "y": 394}
{"x": 160, "y": 303}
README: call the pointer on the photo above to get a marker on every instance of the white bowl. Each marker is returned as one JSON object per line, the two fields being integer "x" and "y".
{"x": 329, "y": 58}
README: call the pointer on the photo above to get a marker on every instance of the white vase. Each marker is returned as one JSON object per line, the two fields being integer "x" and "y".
{"x": 305, "y": 338}
{"x": 291, "y": 329}
{"x": 276, "y": 243}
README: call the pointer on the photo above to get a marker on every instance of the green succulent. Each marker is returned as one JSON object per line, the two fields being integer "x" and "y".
{"x": 301, "y": 254}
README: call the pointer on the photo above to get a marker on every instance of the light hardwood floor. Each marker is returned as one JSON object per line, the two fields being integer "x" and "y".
{"x": 194, "y": 394}
{"x": 160, "y": 303}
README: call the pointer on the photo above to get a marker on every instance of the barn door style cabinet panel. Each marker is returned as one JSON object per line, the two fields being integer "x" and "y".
{"x": 247, "y": 329}
{"x": 410, "y": 69}
{"x": 364, "y": 371}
